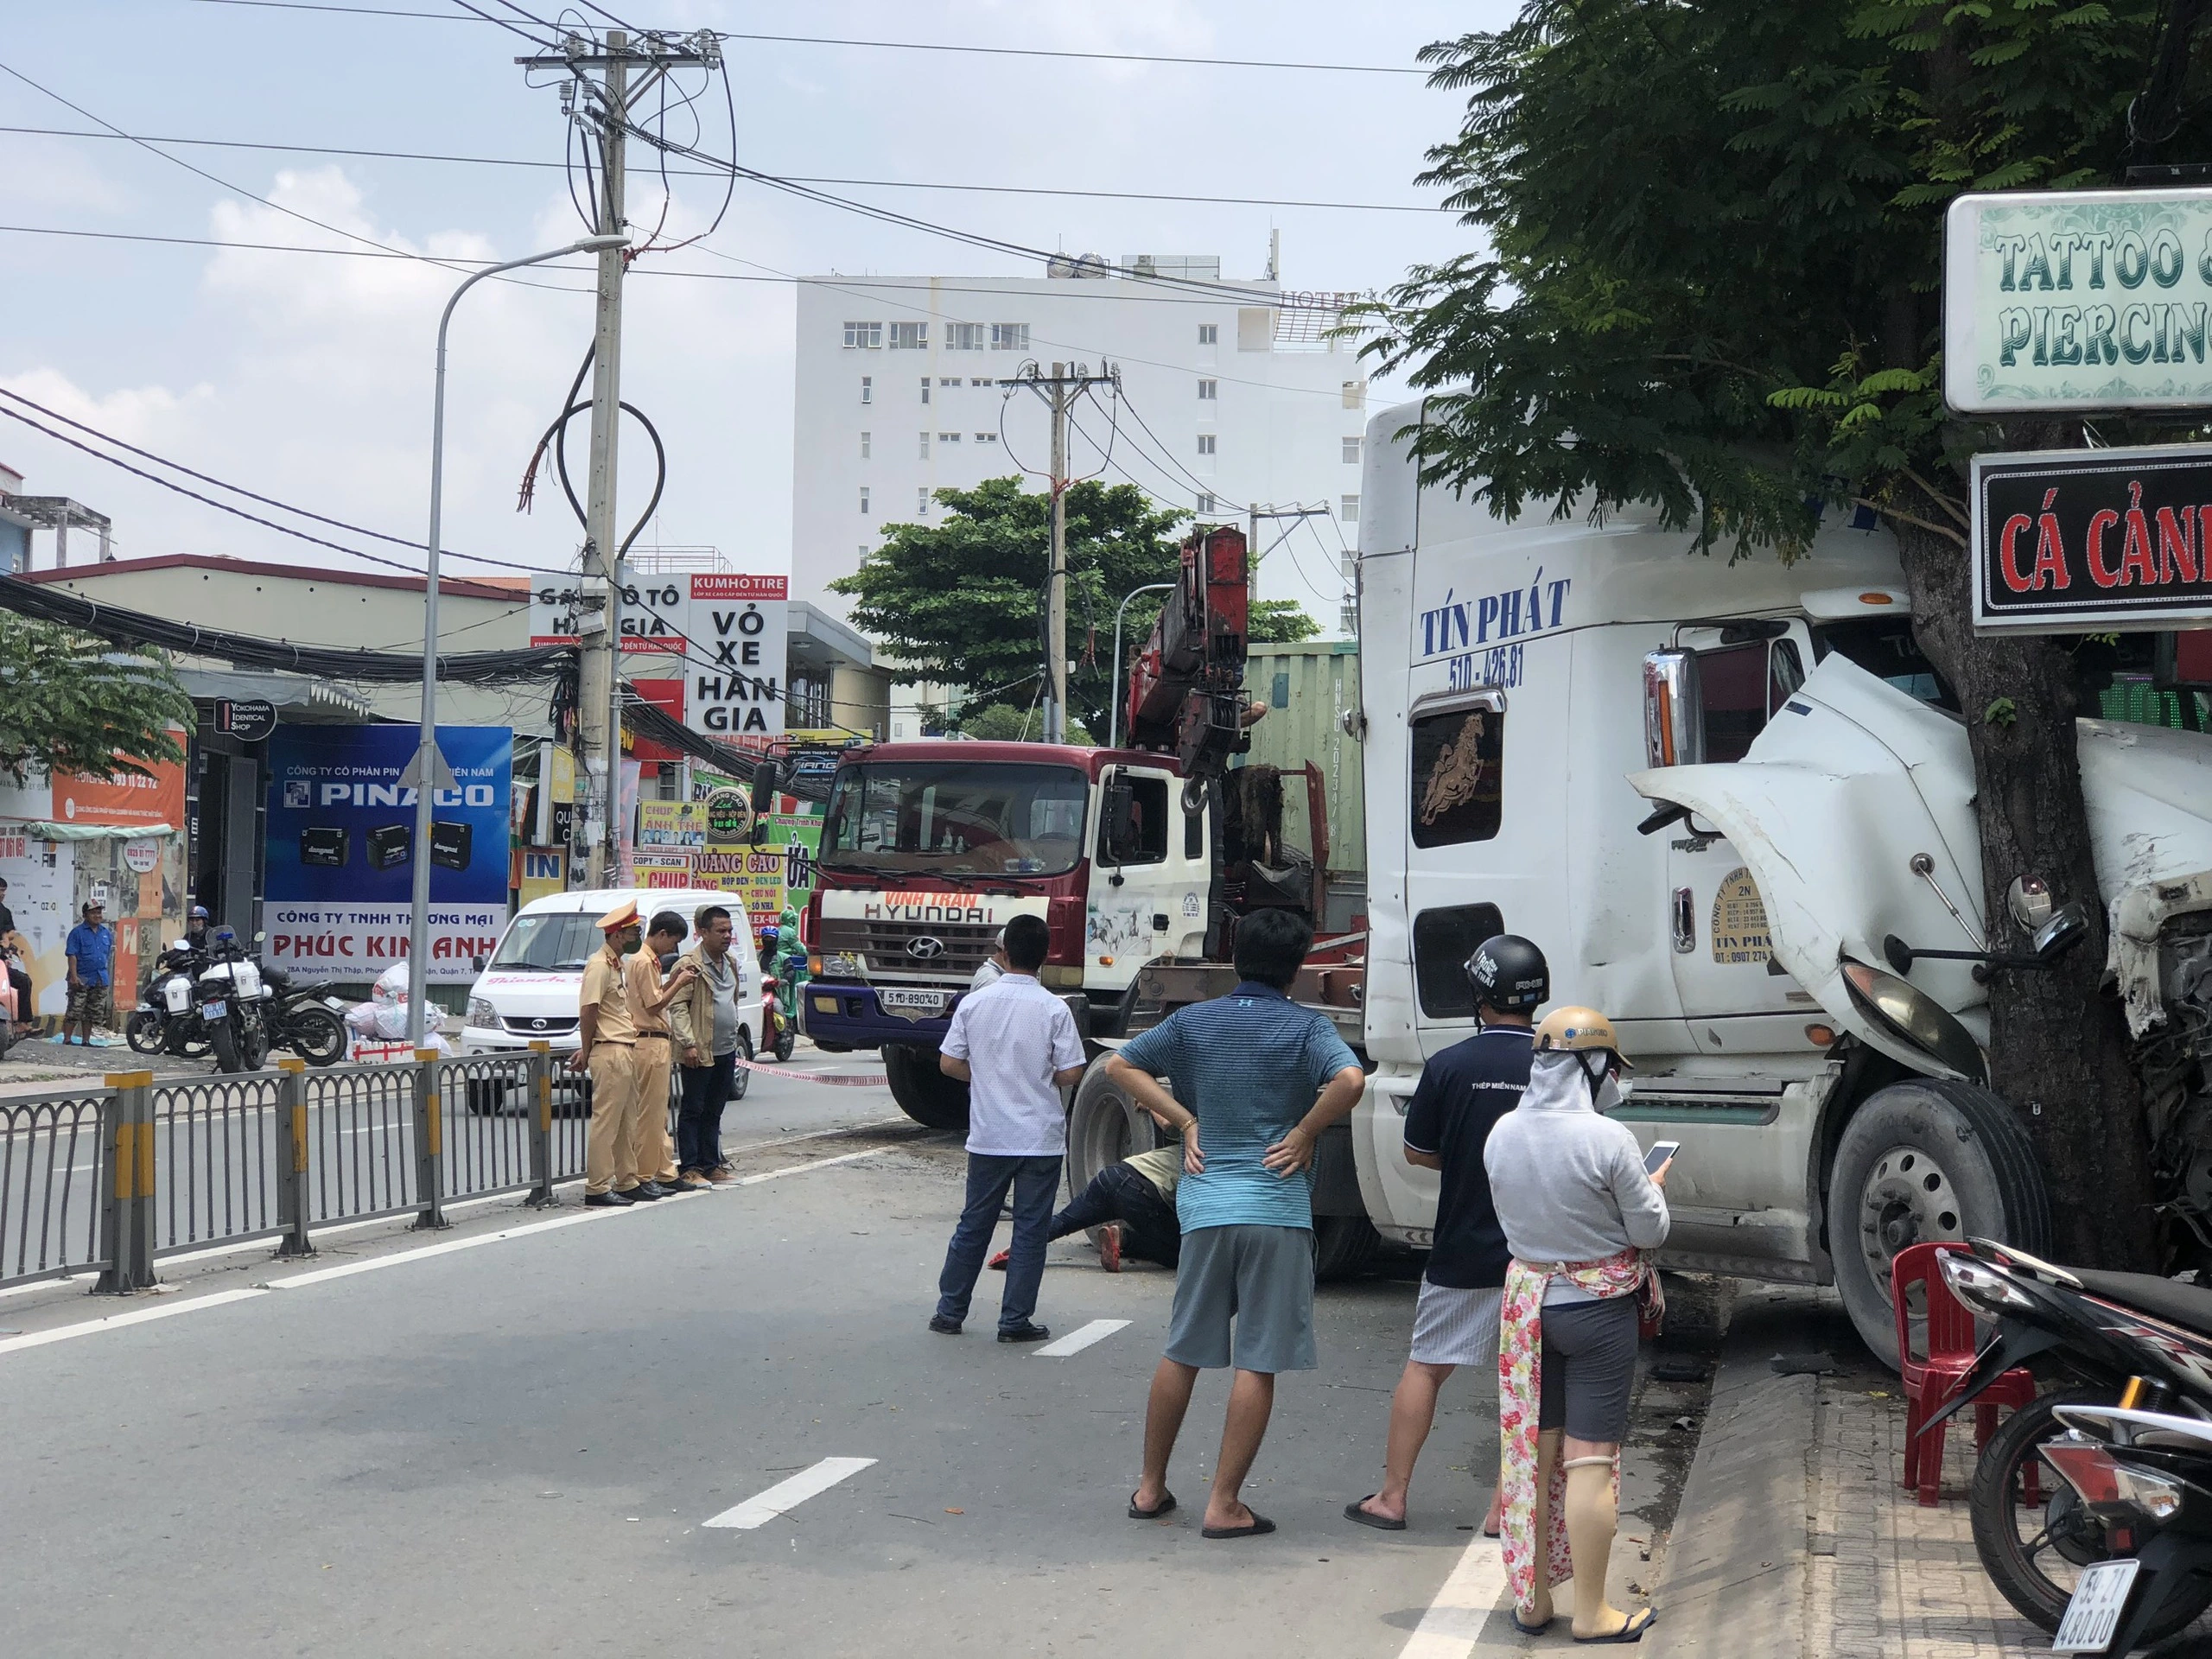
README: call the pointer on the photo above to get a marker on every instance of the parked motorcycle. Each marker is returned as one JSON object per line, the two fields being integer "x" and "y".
{"x": 2145, "y": 1477}
{"x": 167, "y": 1018}
{"x": 778, "y": 1026}
{"x": 234, "y": 1004}
{"x": 311, "y": 1027}
{"x": 2127, "y": 1339}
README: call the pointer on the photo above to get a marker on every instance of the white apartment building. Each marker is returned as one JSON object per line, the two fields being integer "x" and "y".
{"x": 1230, "y": 397}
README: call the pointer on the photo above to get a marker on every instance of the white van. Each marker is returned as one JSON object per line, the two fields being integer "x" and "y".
{"x": 529, "y": 992}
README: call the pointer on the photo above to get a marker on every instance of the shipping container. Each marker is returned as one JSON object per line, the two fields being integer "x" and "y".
{"x": 1308, "y": 689}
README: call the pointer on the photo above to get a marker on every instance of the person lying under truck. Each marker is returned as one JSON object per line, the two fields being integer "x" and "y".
{"x": 1133, "y": 1205}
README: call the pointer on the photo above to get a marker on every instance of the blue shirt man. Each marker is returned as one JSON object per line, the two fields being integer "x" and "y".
{"x": 1257, "y": 1080}
{"x": 90, "y": 953}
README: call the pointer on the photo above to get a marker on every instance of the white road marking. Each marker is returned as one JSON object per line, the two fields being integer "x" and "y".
{"x": 346, "y": 1270}
{"x": 787, "y": 1495}
{"x": 1455, "y": 1621}
{"x": 135, "y": 1316}
{"x": 1079, "y": 1338}
{"x": 800, "y": 1169}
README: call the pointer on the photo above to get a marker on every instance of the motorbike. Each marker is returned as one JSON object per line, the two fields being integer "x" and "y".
{"x": 167, "y": 1018}
{"x": 312, "y": 1027}
{"x": 779, "y": 1025}
{"x": 2127, "y": 1339}
{"x": 234, "y": 1004}
{"x": 2145, "y": 1477}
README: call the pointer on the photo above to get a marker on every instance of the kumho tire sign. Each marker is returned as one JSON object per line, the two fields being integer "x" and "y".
{"x": 2071, "y": 541}
{"x": 2077, "y": 299}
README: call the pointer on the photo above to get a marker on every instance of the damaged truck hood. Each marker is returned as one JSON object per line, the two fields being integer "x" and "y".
{"x": 1853, "y": 778}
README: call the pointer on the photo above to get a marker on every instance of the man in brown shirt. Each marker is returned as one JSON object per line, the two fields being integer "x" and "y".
{"x": 606, "y": 1047}
{"x": 652, "y": 1153}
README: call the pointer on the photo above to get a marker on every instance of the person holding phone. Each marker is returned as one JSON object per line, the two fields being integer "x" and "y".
{"x": 1581, "y": 1215}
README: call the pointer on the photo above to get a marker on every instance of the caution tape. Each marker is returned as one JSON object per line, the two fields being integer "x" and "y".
{"x": 847, "y": 1080}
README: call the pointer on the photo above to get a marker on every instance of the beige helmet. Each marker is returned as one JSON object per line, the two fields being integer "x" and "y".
{"x": 1574, "y": 1029}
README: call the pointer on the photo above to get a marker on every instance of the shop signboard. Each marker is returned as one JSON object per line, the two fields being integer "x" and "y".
{"x": 771, "y": 876}
{"x": 738, "y": 632}
{"x": 341, "y": 853}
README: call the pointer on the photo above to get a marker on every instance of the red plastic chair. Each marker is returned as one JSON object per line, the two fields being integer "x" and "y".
{"x": 1931, "y": 1383}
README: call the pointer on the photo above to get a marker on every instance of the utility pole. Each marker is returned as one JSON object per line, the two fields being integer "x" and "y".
{"x": 1252, "y": 550}
{"x": 1061, "y": 390}
{"x": 607, "y": 105}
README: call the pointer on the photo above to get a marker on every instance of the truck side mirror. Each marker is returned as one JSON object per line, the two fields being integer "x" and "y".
{"x": 1674, "y": 711}
{"x": 2067, "y": 928}
{"x": 1120, "y": 807}
{"x": 767, "y": 778}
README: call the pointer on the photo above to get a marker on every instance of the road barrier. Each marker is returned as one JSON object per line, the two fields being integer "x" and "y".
{"x": 110, "y": 1180}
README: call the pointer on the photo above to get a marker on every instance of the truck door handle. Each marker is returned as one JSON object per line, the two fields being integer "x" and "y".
{"x": 1685, "y": 921}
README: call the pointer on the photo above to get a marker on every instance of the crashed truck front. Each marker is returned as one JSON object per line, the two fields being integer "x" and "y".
{"x": 1853, "y": 811}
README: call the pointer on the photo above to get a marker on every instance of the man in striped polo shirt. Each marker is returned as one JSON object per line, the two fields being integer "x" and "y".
{"x": 1257, "y": 1080}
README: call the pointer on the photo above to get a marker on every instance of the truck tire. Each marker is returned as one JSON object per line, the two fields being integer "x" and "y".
{"x": 1921, "y": 1160}
{"x": 1344, "y": 1246}
{"x": 741, "y": 1078}
{"x": 923, "y": 1092}
{"x": 1104, "y": 1127}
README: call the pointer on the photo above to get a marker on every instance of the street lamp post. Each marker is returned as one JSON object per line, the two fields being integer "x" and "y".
{"x": 426, "y": 753}
{"x": 1115, "y": 689}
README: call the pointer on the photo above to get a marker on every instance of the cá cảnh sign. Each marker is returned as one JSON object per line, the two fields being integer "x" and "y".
{"x": 2069, "y": 540}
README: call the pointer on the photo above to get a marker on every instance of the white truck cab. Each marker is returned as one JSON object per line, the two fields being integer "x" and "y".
{"x": 530, "y": 988}
{"x": 1713, "y": 793}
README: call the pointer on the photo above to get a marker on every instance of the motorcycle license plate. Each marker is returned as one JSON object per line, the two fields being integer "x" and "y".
{"x": 914, "y": 1002}
{"x": 214, "y": 1010}
{"x": 2093, "y": 1617}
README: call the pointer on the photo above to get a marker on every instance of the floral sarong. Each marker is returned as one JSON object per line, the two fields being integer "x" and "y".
{"x": 1519, "y": 1395}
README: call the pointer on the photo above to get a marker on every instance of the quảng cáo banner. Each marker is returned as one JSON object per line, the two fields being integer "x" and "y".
{"x": 342, "y": 850}
{"x": 2073, "y": 541}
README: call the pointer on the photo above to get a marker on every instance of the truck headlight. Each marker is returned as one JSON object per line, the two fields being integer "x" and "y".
{"x": 840, "y": 965}
{"x": 482, "y": 1014}
{"x": 1914, "y": 1017}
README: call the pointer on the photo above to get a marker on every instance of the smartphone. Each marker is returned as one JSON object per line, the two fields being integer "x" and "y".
{"x": 1655, "y": 1159}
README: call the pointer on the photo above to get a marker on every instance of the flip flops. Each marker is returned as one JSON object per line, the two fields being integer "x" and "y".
{"x": 1166, "y": 1505}
{"x": 1353, "y": 1512}
{"x": 1638, "y": 1623}
{"x": 1260, "y": 1528}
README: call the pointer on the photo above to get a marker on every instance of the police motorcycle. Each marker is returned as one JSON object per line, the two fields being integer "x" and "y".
{"x": 235, "y": 1004}
{"x": 167, "y": 1018}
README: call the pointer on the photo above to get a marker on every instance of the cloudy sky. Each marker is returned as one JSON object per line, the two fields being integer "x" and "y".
{"x": 308, "y": 377}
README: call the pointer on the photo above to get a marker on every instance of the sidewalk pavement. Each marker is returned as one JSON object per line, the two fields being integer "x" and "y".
{"x": 1794, "y": 1535}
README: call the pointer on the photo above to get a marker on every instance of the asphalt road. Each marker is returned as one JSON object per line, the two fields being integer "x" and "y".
{"x": 517, "y": 1447}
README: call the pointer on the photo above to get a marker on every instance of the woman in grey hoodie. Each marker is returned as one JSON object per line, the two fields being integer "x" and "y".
{"x": 1580, "y": 1215}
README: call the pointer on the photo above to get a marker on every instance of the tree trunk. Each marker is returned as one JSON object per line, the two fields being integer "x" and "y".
{"x": 2058, "y": 1047}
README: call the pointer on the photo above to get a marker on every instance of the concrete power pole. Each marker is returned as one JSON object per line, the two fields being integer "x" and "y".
{"x": 607, "y": 104}
{"x": 1252, "y": 549}
{"x": 1060, "y": 389}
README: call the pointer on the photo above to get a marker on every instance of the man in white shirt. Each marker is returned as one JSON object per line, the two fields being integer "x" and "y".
{"x": 1014, "y": 1044}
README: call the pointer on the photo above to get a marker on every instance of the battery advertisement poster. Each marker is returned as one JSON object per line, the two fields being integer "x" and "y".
{"x": 342, "y": 850}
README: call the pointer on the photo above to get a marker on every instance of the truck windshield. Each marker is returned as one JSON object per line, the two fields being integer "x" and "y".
{"x": 550, "y": 942}
{"x": 1884, "y": 647}
{"x": 955, "y": 818}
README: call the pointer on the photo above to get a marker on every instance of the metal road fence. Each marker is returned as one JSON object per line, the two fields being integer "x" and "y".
{"x": 109, "y": 1180}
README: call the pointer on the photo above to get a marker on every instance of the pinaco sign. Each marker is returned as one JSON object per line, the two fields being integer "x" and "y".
{"x": 2082, "y": 540}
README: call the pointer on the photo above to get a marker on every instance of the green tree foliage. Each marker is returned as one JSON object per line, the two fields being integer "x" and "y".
{"x": 960, "y": 601}
{"x": 1711, "y": 283}
{"x": 69, "y": 702}
{"x": 1002, "y": 722}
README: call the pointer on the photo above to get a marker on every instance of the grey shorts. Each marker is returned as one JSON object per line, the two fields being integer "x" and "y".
{"x": 1259, "y": 1279}
{"x": 1455, "y": 1327}
{"x": 1589, "y": 1365}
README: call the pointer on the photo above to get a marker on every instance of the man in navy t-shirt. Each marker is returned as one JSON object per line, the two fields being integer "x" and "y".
{"x": 1462, "y": 1093}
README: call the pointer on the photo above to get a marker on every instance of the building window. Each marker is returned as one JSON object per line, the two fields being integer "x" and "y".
{"x": 987, "y": 437}
{"x": 865, "y": 439}
{"x": 925, "y": 444}
{"x": 909, "y": 336}
{"x": 1457, "y": 755}
{"x": 922, "y": 501}
{"x": 925, "y": 388}
{"x": 1347, "y": 509}
{"x": 1351, "y": 452}
{"x": 867, "y": 388}
{"x": 1205, "y": 443}
{"x": 982, "y": 383}
{"x": 1354, "y": 394}
{"x": 863, "y": 336}
{"x": 948, "y": 437}
{"x": 1208, "y": 391}
{"x": 1009, "y": 336}
{"x": 948, "y": 380}
{"x": 964, "y": 336}
{"x": 863, "y": 498}
{"x": 1206, "y": 503}
{"x": 1209, "y": 334}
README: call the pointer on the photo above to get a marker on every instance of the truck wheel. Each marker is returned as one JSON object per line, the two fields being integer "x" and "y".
{"x": 923, "y": 1092}
{"x": 740, "y": 1079}
{"x": 1104, "y": 1127}
{"x": 1923, "y": 1160}
{"x": 486, "y": 1099}
{"x": 1343, "y": 1246}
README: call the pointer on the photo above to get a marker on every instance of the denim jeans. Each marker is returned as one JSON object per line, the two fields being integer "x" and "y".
{"x": 1149, "y": 1227}
{"x": 699, "y": 1119}
{"x": 1035, "y": 1181}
